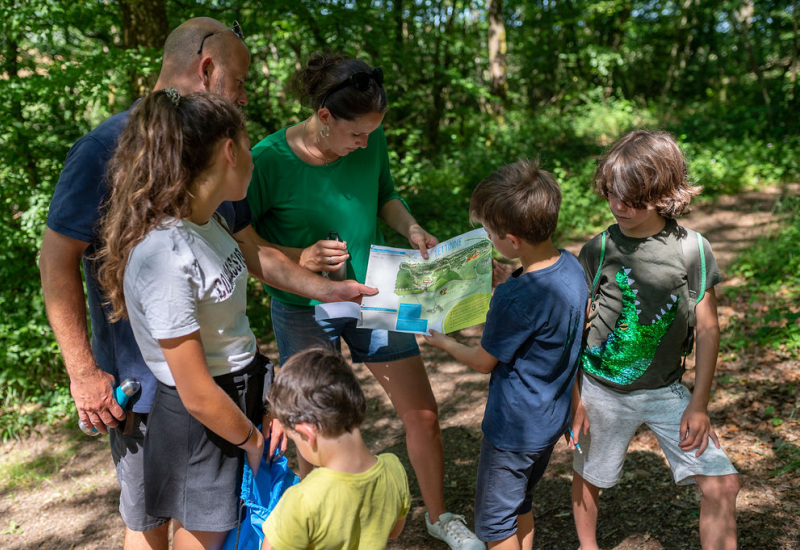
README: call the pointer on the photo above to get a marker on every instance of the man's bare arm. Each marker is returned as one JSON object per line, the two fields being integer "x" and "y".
{"x": 65, "y": 300}
{"x": 273, "y": 267}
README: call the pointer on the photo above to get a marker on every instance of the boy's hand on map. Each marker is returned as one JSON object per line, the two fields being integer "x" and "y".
{"x": 437, "y": 339}
{"x": 421, "y": 239}
{"x": 500, "y": 272}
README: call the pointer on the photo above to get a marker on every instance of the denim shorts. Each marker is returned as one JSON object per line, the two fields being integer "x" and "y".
{"x": 504, "y": 489}
{"x": 296, "y": 329}
{"x": 614, "y": 418}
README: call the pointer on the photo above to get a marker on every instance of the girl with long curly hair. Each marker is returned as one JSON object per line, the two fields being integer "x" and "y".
{"x": 170, "y": 265}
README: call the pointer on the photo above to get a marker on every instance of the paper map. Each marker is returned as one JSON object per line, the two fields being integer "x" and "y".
{"x": 447, "y": 292}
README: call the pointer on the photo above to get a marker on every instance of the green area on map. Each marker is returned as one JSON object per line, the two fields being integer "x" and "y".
{"x": 457, "y": 285}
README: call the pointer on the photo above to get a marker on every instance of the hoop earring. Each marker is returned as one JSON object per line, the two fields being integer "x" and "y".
{"x": 325, "y": 131}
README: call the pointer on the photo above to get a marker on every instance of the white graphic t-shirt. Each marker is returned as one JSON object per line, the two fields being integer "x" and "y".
{"x": 185, "y": 277}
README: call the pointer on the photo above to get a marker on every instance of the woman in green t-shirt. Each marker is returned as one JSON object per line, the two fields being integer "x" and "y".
{"x": 330, "y": 173}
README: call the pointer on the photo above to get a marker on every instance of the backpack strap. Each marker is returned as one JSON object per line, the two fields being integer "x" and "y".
{"x": 695, "y": 265}
{"x": 695, "y": 261}
{"x": 599, "y": 265}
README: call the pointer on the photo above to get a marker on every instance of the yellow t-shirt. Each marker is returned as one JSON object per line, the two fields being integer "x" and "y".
{"x": 335, "y": 510}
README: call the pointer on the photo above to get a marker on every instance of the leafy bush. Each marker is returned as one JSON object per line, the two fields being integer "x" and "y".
{"x": 770, "y": 274}
{"x": 578, "y": 79}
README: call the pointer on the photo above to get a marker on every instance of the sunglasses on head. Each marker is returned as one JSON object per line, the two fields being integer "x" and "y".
{"x": 361, "y": 81}
{"x": 236, "y": 29}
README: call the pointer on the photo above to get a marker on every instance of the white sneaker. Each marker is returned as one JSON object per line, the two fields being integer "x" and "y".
{"x": 452, "y": 529}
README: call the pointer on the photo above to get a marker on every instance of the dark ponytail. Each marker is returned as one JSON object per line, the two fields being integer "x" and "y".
{"x": 323, "y": 73}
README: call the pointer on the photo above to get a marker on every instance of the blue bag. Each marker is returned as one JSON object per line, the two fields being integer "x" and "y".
{"x": 259, "y": 497}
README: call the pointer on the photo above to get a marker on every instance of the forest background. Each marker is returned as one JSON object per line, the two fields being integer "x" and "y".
{"x": 471, "y": 85}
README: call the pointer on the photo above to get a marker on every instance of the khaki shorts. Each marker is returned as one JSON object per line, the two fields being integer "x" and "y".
{"x": 614, "y": 418}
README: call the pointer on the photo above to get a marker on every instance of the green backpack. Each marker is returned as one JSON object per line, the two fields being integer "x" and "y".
{"x": 695, "y": 271}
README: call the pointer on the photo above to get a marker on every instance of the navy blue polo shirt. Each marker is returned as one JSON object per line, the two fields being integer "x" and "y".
{"x": 75, "y": 212}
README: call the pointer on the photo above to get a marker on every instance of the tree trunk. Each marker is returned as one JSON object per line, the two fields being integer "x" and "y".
{"x": 742, "y": 20}
{"x": 678, "y": 58}
{"x": 793, "y": 93}
{"x": 441, "y": 54}
{"x": 144, "y": 25}
{"x": 498, "y": 85}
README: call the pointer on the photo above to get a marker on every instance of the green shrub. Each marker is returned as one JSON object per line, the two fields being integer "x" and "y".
{"x": 770, "y": 273}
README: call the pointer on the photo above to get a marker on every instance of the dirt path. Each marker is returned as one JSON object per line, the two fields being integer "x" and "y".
{"x": 58, "y": 488}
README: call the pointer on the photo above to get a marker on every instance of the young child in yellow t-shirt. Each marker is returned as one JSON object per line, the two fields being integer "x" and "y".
{"x": 353, "y": 499}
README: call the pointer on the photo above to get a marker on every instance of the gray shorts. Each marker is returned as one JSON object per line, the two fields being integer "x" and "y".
{"x": 192, "y": 474}
{"x": 128, "y": 455}
{"x": 614, "y": 418}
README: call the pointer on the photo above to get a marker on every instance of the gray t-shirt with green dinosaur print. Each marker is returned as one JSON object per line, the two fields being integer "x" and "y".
{"x": 639, "y": 317}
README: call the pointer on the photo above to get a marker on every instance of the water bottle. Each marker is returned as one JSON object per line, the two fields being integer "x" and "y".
{"x": 122, "y": 394}
{"x": 341, "y": 273}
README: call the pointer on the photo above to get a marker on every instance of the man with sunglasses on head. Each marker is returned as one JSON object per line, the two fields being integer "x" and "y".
{"x": 202, "y": 54}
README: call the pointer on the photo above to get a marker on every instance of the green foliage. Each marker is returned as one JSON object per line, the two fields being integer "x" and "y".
{"x": 29, "y": 473}
{"x": 788, "y": 456}
{"x": 770, "y": 274}
{"x": 580, "y": 74}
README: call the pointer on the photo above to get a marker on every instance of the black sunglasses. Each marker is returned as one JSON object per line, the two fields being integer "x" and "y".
{"x": 236, "y": 28}
{"x": 361, "y": 81}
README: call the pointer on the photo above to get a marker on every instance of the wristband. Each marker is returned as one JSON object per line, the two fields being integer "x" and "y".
{"x": 249, "y": 435}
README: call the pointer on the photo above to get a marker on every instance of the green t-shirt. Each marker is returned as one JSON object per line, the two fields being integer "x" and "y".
{"x": 639, "y": 320}
{"x": 296, "y": 204}
{"x": 332, "y": 510}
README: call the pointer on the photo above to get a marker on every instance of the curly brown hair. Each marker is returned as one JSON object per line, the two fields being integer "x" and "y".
{"x": 647, "y": 167}
{"x": 168, "y": 143}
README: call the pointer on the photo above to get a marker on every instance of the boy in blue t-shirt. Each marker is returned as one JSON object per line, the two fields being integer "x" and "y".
{"x": 531, "y": 346}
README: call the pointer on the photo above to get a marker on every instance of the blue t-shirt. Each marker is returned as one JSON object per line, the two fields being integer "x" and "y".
{"x": 74, "y": 212}
{"x": 534, "y": 329}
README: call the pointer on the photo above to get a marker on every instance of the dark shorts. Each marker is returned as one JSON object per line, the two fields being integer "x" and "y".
{"x": 504, "y": 489}
{"x": 128, "y": 454}
{"x": 192, "y": 474}
{"x": 296, "y": 329}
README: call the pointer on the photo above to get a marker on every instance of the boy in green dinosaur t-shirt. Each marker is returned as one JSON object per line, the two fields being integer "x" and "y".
{"x": 638, "y": 323}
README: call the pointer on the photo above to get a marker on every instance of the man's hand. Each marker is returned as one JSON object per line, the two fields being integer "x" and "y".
{"x": 93, "y": 394}
{"x": 348, "y": 291}
{"x": 325, "y": 255}
{"x": 91, "y": 388}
